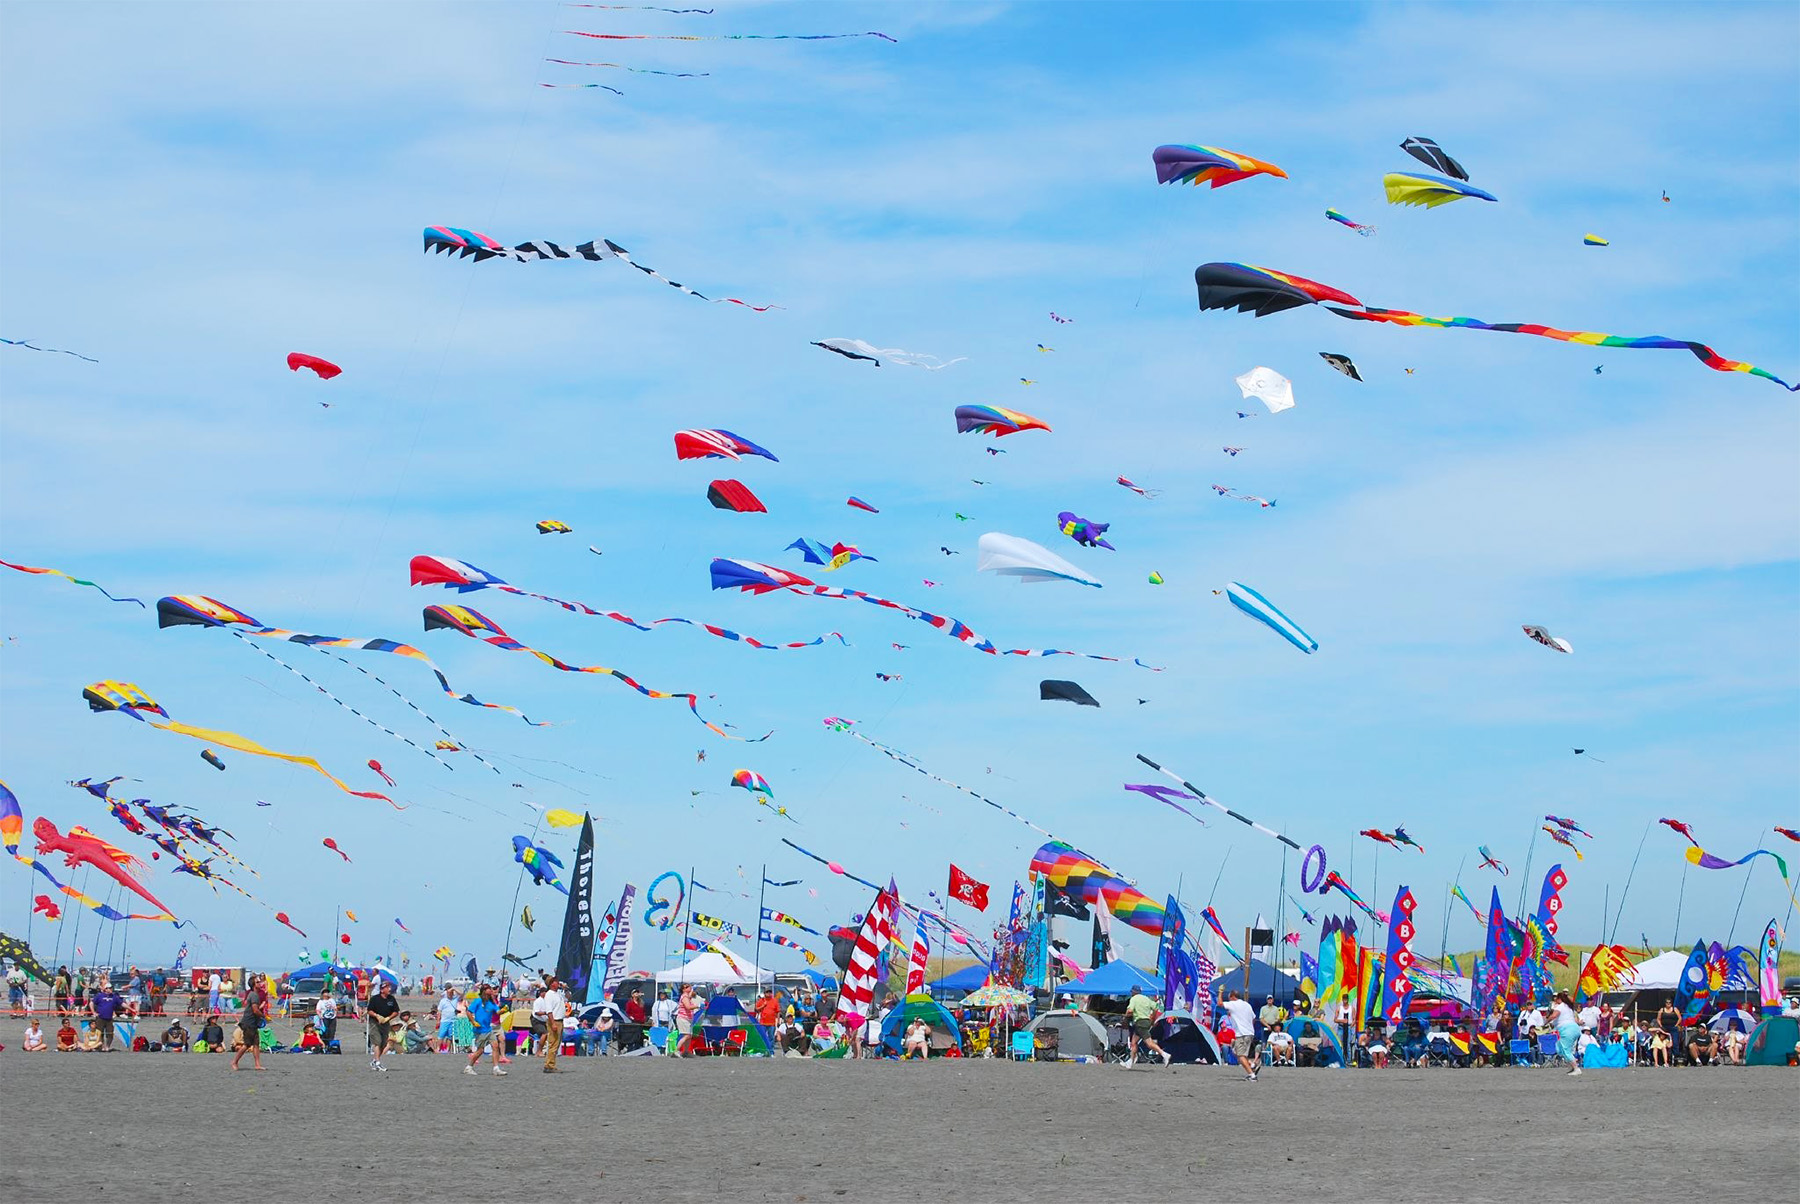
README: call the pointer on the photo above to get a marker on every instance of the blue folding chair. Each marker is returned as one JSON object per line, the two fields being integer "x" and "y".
{"x": 1547, "y": 1054}
{"x": 1023, "y": 1047}
{"x": 1523, "y": 1053}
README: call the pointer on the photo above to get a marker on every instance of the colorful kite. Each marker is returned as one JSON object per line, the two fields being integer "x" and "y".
{"x": 1681, "y": 827}
{"x": 1234, "y": 495}
{"x": 323, "y": 369}
{"x": 1076, "y": 874}
{"x": 1156, "y": 578}
{"x": 466, "y": 244}
{"x": 212, "y": 758}
{"x": 80, "y": 847}
{"x": 1546, "y": 639}
{"x": 1168, "y": 795}
{"x": 1083, "y": 531}
{"x": 996, "y": 421}
{"x": 281, "y": 917}
{"x": 1561, "y": 837}
{"x": 754, "y": 782}
{"x": 556, "y": 817}
{"x": 1201, "y": 795}
{"x": 832, "y": 556}
{"x": 1378, "y": 835}
{"x": 473, "y": 624}
{"x": 127, "y": 699}
{"x": 1263, "y": 291}
{"x": 701, "y": 444}
{"x": 540, "y": 862}
{"x": 1010, "y": 556}
{"x": 858, "y": 504}
{"x": 1432, "y": 155}
{"x": 1265, "y": 612}
{"x": 1421, "y": 188}
{"x": 856, "y": 349}
{"x": 1606, "y": 968}
{"x": 1359, "y": 227}
{"x": 1594, "y": 240}
{"x": 1334, "y": 882}
{"x": 1196, "y": 165}
{"x": 12, "y": 826}
{"x": 1489, "y": 861}
{"x": 734, "y": 496}
{"x": 1212, "y": 921}
{"x": 1568, "y": 825}
{"x": 1700, "y": 857}
{"x": 634, "y": 70}
{"x": 551, "y": 526}
{"x": 1790, "y": 833}
{"x": 43, "y": 905}
{"x": 331, "y": 844}
{"x": 25, "y": 568}
{"x": 1457, "y": 891}
{"x": 376, "y": 766}
{"x": 1138, "y": 489}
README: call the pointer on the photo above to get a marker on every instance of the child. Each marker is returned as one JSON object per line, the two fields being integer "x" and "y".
{"x": 309, "y": 1040}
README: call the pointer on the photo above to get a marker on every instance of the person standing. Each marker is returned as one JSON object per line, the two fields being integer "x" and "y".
{"x": 214, "y": 985}
{"x": 768, "y": 1015}
{"x": 103, "y": 1006}
{"x": 250, "y": 1023}
{"x": 384, "y": 1013}
{"x": 1140, "y": 1017}
{"x": 1243, "y": 1029}
{"x": 556, "y": 1012}
{"x": 1568, "y": 1030}
{"x": 482, "y": 1012}
{"x": 662, "y": 1013}
{"x": 446, "y": 1017}
{"x": 15, "y": 990}
{"x": 1668, "y": 1019}
{"x": 1268, "y": 1018}
{"x": 326, "y": 1013}
{"x": 685, "y": 1008}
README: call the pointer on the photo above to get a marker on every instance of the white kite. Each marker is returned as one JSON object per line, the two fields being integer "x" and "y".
{"x": 1546, "y": 639}
{"x": 1269, "y": 387}
{"x": 1010, "y": 556}
{"x": 856, "y": 349}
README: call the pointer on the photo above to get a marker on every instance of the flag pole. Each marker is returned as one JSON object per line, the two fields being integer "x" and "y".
{"x": 1628, "y": 876}
{"x": 762, "y": 917}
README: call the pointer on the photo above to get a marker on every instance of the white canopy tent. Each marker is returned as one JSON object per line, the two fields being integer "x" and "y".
{"x": 1660, "y": 973}
{"x": 709, "y": 968}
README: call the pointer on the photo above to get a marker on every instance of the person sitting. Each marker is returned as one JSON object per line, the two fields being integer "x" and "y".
{"x": 1660, "y": 1046}
{"x": 34, "y": 1037}
{"x": 212, "y": 1037}
{"x": 1413, "y": 1043}
{"x": 65, "y": 1037}
{"x": 1736, "y": 1041}
{"x": 791, "y": 1036}
{"x": 1281, "y": 1047}
{"x": 90, "y": 1040}
{"x": 918, "y": 1040}
{"x": 824, "y": 1035}
{"x": 175, "y": 1038}
{"x": 309, "y": 1040}
{"x": 1700, "y": 1046}
{"x": 412, "y": 1040}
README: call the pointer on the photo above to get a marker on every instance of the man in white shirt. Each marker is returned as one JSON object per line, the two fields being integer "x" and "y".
{"x": 326, "y": 1013}
{"x": 1533, "y": 1020}
{"x": 1589, "y": 1019}
{"x": 555, "y": 1009}
{"x": 1243, "y": 1027}
{"x": 213, "y": 987}
{"x": 662, "y": 1013}
{"x": 446, "y": 1016}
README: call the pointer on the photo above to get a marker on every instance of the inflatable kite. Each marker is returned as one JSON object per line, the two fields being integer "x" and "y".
{"x": 19, "y": 954}
{"x": 1359, "y": 227}
{"x": 996, "y": 421}
{"x": 719, "y": 445}
{"x": 1082, "y": 531}
{"x": 44, "y": 905}
{"x": 551, "y": 526}
{"x": 376, "y": 766}
{"x": 1568, "y": 825}
{"x": 1065, "y": 691}
{"x": 1432, "y": 155}
{"x": 331, "y": 844}
{"x": 83, "y": 848}
{"x": 1080, "y": 876}
{"x": 856, "y": 349}
{"x": 1010, "y": 556}
{"x": 1790, "y": 833}
{"x": 556, "y": 817}
{"x": 467, "y": 244}
{"x": 1546, "y": 639}
{"x": 1265, "y": 612}
{"x": 541, "y": 863}
{"x": 857, "y": 503}
{"x": 1341, "y": 363}
{"x": 25, "y": 568}
{"x": 323, "y": 369}
{"x": 281, "y": 917}
{"x": 735, "y": 496}
{"x": 1594, "y": 240}
{"x": 832, "y": 556}
{"x": 212, "y": 758}
{"x": 1198, "y": 165}
{"x": 1563, "y": 838}
{"x": 1422, "y": 188}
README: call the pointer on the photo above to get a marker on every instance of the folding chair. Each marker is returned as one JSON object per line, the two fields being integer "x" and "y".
{"x": 1547, "y": 1054}
{"x": 1023, "y": 1047}
{"x": 1523, "y": 1053}
{"x": 734, "y": 1042}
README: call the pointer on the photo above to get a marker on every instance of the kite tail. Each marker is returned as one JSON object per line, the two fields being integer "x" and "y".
{"x": 727, "y": 37}
{"x": 25, "y": 568}
{"x": 723, "y": 633}
{"x": 246, "y": 745}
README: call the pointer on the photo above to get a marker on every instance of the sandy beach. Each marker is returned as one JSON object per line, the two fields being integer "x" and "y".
{"x": 655, "y": 1129}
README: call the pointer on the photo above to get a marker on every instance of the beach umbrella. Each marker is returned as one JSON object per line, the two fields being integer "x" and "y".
{"x": 994, "y": 994}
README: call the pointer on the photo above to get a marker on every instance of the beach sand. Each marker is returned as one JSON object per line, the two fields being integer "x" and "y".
{"x": 161, "y": 1127}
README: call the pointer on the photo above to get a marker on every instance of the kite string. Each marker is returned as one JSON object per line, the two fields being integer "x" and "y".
{"x": 409, "y": 702}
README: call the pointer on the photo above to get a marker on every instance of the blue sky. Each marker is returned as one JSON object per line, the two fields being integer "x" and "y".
{"x": 192, "y": 192}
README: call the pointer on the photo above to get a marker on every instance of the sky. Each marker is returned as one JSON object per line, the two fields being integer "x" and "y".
{"x": 191, "y": 192}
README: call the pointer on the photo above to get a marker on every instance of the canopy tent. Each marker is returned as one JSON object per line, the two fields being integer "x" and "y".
{"x": 1660, "y": 973}
{"x": 711, "y": 967}
{"x": 1114, "y": 978}
{"x": 1078, "y": 1035}
{"x": 966, "y": 979}
{"x": 1265, "y": 980}
{"x": 1186, "y": 1039}
{"x": 1773, "y": 1042}
{"x": 944, "y": 1030}
{"x": 316, "y": 974}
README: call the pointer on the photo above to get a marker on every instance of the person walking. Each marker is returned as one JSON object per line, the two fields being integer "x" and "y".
{"x": 250, "y": 1023}
{"x": 556, "y": 1012}
{"x": 214, "y": 985}
{"x": 482, "y": 1012}
{"x": 1568, "y": 1030}
{"x": 1243, "y": 1028}
{"x": 446, "y": 1018}
{"x": 1140, "y": 1014}
{"x": 685, "y": 1008}
{"x": 384, "y": 1014}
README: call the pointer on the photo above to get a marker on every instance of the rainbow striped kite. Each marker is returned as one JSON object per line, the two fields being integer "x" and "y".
{"x": 1078, "y": 874}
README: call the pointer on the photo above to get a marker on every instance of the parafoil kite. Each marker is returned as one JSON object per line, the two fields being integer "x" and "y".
{"x": 996, "y": 421}
{"x": 323, "y": 369}
{"x": 473, "y": 624}
{"x": 212, "y": 758}
{"x": 1489, "y": 861}
{"x": 1422, "y": 188}
{"x": 1594, "y": 240}
{"x": 1196, "y": 165}
{"x": 539, "y": 862}
{"x": 1065, "y": 691}
{"x": 1264, "y": 291}
{"x": 25, "y": 568}
{"x": 723, "y": 445}
{"x": 735, "y": 496}
{"x": 466, "y": 244}
{"x": 833, "y": 556}
{"x": 128, "y": 699}
{"x": 1264, "y": 611}
{"x": 1009, "y": 556}
{"x": 557, "y": 817}
{"x": 857, "y": 503}
{"x": 551, "y": 526}
{"x": 755, "y": 783}
{"x": 1156, "y": 578}
{"x": 1341, "y": 363}
{"x": 1269, "y": 387}
{"x": 1082, "y": 531}
{"x": 1432, "y": 155}
{"x": 856, "y": 349}
{"x": 1359, "y": 227}
{"x": 1546, "y": 639}
{"x": 443, "y": 953}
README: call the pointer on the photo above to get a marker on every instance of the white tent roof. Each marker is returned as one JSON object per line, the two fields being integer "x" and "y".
{"x": 710, "y": 968}
{"x": 1660, "y": 973}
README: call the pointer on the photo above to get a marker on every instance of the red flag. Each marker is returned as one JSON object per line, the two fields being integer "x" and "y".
{"x": 965, "y": 889}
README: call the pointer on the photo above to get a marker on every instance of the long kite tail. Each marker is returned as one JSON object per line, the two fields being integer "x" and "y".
{"x": 724, "y": 633}
{"x": 246, "y": 745}
{"x": 25, "y": 568}
{"x": 1700, "y": 351}
{"x": 727, "y": 37}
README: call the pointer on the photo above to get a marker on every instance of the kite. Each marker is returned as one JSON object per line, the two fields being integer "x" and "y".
{"x": 128, "y": 699}
{"x": 1341, "y": 363}
{"x": 1790, "y": 833}
{"x": 541, "y": 862}
{"x": 891, "y": 676}
{"x": 859, "y": 504}
{"x": 1234, "y": 495}
{"x": 527, "y": 919}
{"x": 1212, "y": 921}
{"x": 1399, "y": 835}
{"x": 635, "y": 70}
{"x": 946, "y": 551}
{"x": 1432, "y": 155}
{"x": 1594, "y": 240}
{"x": 1489, "y": 861}
{"x": 212, "y": 758}
{"x": 331, "y": 844}
{"x": 996, "y": 421}
{"x": 1044, "y": 349}
{"x": 1169, "y": 795}
{"x": 1546, "y": 639}
{"x": 1334, "y": 882}
{"x": 1156, "y": 578}
{"x": 551, "y": 526}
{"x": 754, "y": 578}
{"x": 1695, "y": 855}
{"x": 12, "y": 827}
{"x": 19, "y": 953}
{"x": 1378, "y": 834}
{"x": 856, "y": 349}
{"x": 1421, "y": 188}
{"x": 352, "y": 916}
{"x": 1080, "y": 876}
{"x": 717, "y": 445}
{"x": 1198, "y": 165}
{"x": 472, "y": 623}
{"x": 961, "y": 517}
{"x": 30, "y": 346}
{"x": 559, "y": 818}
{"x": 443, "y": 953}
{"x": 376, "y": 766}
{"x": 726, "y": 37}
{"x": 1231, "y": 451}
{"x": 1263, "y": 611}
{"x": 1203, "y": 797}
{"x": 1263, "y": 291}
{"x": 658, "y": 904}
{"x": 1563, "y": 838}
{"x": 1010, "y": 556}
{"x": 1360, "y": 227}
{"x": 755, "y": 783}
{"x": 1082, "y": 531}
{"x": 1269, "y": 387}
{"x": 833, "y": 557}
{"x": 45, "y": 906}
{"x": 464, "y": 577}
{"x": 1457, "y": 890}
{"x": 323, "y": 369}
{"x": 1055, "y": 317}
{"x": 25, "y": 568}
{"x": 1568, "y": 825}
{"x": 465, "y": 244}
{"x": 734, "y": 496}
{"x": 1583, "y": 752}
{"x": 1065, "y": 691}
{"x": 82, "y": 848}
{"x": 1026, "y": 381}
{"x": 1138, "y": 489}
{"x": 281, "y": 917}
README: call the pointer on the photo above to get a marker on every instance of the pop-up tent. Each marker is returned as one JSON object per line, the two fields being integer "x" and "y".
{"x": 1078, "y": 1035}
{"x": 944, "y": 1032}
{"x": 1773, "y": 1042}
{"x": 1308, "y": 1027}
{"x": 1186, "y": 1039}
{"x": 1114, "y": 978}
{"x": 711, "y": 968}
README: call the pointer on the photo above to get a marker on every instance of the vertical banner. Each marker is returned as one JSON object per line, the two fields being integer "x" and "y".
{"x": 620, "y": 954}
{"x": 1169, "y": 953}
{"x": 574, "y": 959}
{"x": 1396, "y": 979}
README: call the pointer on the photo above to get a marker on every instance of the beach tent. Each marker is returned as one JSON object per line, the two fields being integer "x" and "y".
{"x": 1186, "y": 1039}
{"x": 709, "y": 968}
{"x": 1773, "y": 1041}
{"x": 1660, "y": 973}
{"x": 968, "y": 978}
{"x": 1078, "y": 1035}
{"x": 1265, "y": 980}
{"x": 1308, "y": 1026}
{"x": 944, "y": 1030}
{"x": 1114, "y": 978}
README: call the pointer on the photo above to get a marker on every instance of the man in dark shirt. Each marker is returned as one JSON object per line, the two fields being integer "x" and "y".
{"x": 175, "y": 1038}
{"x": 212, "y": 1035}
{"x": 384, "y": 1011}
{"x": 104, "y": 1006}
{"x": 256, "y": 1014}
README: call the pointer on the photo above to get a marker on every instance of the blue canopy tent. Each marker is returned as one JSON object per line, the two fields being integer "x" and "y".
{"x": 313, "y": 977}
{"x": 1114, "y": 978}
{"x": 944, "y": 1030}
{"x": 1265, "y": 980}
{"x": 969, "y": 978}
